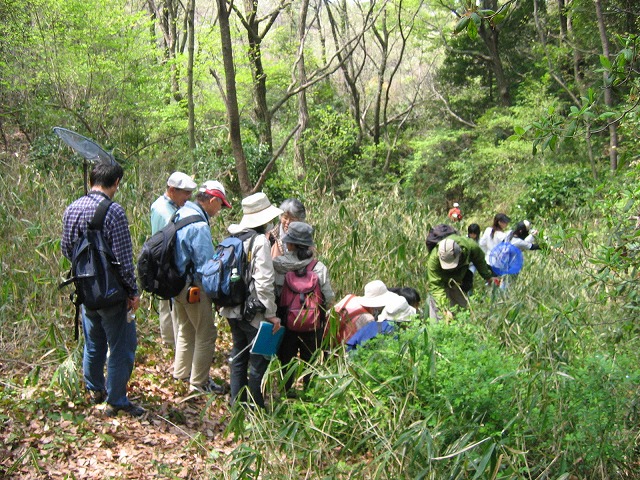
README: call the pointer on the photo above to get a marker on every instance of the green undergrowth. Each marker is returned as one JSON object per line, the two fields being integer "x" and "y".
{"x": 539, "y": 380}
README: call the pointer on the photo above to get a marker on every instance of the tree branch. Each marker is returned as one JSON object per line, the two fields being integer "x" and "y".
{"x": 272, "y": 162}
{"x": 449, "y": 111}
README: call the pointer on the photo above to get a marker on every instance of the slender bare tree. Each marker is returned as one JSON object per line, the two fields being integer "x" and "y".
{"x": 608, "y": 94}
{"x": 191, "y": 128}
{"x": 171, "y": 18}
{"x": 231, "y": 99}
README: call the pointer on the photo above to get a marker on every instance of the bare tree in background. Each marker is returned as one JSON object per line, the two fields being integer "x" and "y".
{"x": 608, "y": 94}
{"x": 170, "y": 16}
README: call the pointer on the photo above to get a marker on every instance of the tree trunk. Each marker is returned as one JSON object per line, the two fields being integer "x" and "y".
{"x": 167, "y": 14}
{"x": 563, "y": 20}
{"x": 233, "y": 113}
{"x": 577, "y": 57}
{"x": 490, "y": 37}
{"x": 383, "y": 41}
{"x": 263, "y": 115}
{"x": 349, "y": 71}
{"x": 608, "y": 94}
{"x": 191, "y": 7}
{"x": 303, "y": 109}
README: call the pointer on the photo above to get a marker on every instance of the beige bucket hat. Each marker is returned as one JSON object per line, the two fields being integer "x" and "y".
{"x": 257, "y": 211}
{"x": 376, "y": 295}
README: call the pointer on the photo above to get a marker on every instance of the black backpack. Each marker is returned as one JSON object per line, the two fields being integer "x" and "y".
{"x": 94, "y": 268}
{"x": 157, "y": 270}
{"x": 438, "y": 233}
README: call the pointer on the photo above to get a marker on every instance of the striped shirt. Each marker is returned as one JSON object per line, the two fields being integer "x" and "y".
{"x": 115, "y": 231}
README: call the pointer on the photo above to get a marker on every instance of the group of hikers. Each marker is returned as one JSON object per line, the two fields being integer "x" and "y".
{"x": 277, "y": 257}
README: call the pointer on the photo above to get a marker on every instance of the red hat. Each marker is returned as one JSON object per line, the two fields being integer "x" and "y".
{"x": 215, "y": 189}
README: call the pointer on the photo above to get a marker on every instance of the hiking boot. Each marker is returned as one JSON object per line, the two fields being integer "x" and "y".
{"x": 97, "y": 396}
{"x": 209, "y": 387}
{"x": 131, "y": 409}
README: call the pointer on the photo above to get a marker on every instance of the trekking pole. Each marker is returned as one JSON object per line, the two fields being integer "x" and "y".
{"x": 231, "y": 359}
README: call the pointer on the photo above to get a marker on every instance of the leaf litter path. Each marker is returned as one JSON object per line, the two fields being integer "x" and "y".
{"x": 180, "y": 436}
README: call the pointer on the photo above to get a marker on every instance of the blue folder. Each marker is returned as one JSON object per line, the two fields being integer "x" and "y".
{"x": 266, "y": 342}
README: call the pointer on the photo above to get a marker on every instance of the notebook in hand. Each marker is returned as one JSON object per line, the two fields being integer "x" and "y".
{"x": 266, "y": 342}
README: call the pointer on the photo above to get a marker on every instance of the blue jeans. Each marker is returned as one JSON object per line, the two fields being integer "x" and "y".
{"x": 108, "y": 330}
{"x": 247, "y": 369}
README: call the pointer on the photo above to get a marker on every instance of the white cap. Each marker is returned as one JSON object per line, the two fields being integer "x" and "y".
{"x": 456, "y": 205}
{"x": 181, "y": 181}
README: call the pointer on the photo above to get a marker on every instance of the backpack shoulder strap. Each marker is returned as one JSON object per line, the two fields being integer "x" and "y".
{"x": 101, "y": 212}
{"x": 245, "y": 234}
{"x": 312, "y": 264}
{"x": 249, "y": 266}
{"x": 307, "y": 268}
{"x": 183, "y": 222}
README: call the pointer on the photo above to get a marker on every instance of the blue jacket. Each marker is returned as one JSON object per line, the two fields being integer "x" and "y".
{"x": 369, "y": 331}
{"x": 194, "y": 244}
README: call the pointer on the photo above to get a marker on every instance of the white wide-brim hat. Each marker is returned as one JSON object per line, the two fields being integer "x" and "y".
{"x": 397, "y": 310}
{"x": 257, "y": 211}
{"x": 376, "y": 295}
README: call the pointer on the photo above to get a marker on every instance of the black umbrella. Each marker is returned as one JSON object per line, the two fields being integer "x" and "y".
{"x": 87, "y": 148}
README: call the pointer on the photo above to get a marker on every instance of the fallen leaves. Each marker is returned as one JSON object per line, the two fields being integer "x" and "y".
{"x": 54, "y": 438}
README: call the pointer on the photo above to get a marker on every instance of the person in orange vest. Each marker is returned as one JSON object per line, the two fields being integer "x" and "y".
{"x": 455, "y": 214}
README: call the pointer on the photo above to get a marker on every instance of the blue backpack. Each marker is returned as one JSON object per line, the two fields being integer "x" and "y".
{"x": 506, "y": 259}
{"x": 226, "y": 277}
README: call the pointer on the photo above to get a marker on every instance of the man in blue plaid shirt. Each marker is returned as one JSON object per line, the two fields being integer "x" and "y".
{"x": 109, "y": 329}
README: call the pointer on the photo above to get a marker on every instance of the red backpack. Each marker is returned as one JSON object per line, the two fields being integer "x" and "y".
{"x": 348, "y": 309}
{"x": 302, "y": 296}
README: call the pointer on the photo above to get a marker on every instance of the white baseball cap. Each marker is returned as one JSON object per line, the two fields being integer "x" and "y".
{"x": 181, "y": 181}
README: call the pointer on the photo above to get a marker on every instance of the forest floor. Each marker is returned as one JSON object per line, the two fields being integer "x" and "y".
{"x": 45, "y": 436}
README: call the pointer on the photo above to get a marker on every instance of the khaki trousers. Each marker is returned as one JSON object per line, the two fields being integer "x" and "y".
{"x": 196, "y": 338}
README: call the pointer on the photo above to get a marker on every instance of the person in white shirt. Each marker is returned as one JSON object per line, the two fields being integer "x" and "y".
{"x": 494, "y": 234}
{"x": 523, "y": 238}
{"x": 247, "y": 369}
